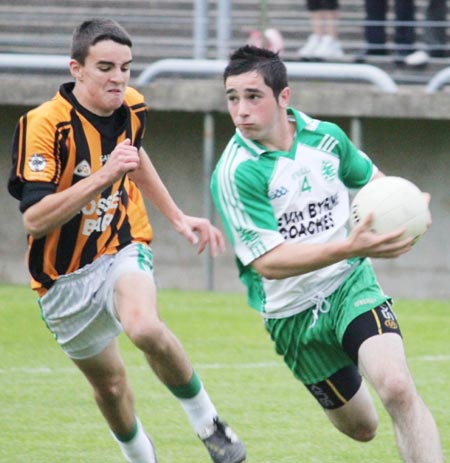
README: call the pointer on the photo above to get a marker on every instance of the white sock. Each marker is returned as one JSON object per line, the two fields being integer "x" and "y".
{"x": 139, "y": 449}
{"x": 201, "y": 412}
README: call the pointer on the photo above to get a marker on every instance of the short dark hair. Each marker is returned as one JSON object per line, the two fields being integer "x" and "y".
{"x": 93, "y": 31}
{"x": 265, "y": 62}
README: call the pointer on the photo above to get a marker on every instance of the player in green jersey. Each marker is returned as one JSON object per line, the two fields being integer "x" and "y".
{"x": 283, "y": 187}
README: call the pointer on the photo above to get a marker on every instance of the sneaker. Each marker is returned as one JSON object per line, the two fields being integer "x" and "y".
{"x": 308, "y": 50}
{"x": 223, "y": 444}
{"x": 418, "y": 58}
{"x": 329, "y": 49}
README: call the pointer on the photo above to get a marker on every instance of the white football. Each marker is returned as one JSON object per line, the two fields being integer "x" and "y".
{"x": 394, "y": 203}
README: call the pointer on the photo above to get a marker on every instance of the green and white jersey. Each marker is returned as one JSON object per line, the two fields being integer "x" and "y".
{"x": 266, "y": 198}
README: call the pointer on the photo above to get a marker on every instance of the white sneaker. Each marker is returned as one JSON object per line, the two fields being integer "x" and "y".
{"x": 308, "y": 50}
{"x": 329, "y": 49}
{"x": 418, "y": 58}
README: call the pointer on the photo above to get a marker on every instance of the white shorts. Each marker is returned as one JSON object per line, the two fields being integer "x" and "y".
{"x": 79, "y": 308}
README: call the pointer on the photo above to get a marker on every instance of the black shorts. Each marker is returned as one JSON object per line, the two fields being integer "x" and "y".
{"x": 317, "y": 5}
{"x": 340, "y": 387}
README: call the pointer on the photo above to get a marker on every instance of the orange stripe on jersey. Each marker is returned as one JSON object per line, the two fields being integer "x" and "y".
{"x": 60, "y": 143}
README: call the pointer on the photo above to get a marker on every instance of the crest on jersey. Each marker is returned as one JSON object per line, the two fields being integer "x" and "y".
{"x": 328, "y": 170}
{"x": 37, "y": 162}
{"x": 83, "y": 169}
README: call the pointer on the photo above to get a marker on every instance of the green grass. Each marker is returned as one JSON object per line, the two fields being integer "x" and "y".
{"x": 48, "y": 414}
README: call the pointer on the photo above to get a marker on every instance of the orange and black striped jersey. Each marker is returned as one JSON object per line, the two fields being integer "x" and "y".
{"x": 54, "y": 146}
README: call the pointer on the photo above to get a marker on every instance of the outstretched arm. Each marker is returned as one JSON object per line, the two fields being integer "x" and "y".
{"x": 197, "y": 230}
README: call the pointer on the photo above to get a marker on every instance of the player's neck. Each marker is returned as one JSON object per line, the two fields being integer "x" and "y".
{"x": 282, "y": 137}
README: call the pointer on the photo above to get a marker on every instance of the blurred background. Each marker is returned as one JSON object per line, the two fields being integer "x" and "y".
{"x": 381, "y": 72}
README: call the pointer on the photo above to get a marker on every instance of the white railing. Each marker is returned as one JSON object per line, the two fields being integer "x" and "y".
{"x": 34, "y": 61}
{"x": 439, "y": 80}
{"x": 186, "y": 67}
{"x": 320, "y": 71}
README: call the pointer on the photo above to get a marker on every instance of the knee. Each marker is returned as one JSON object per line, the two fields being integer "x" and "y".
{"x": 397, "y": 391}
{"x": 150, "y": 338}
{"x": 363, "y": 432}
{"x": 112, "y": 389}
{"x": 360, "y": 425}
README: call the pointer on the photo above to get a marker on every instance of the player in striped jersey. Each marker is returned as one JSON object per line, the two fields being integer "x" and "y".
{"x": 282, "y": 189}
{"x": 78, "y": 171}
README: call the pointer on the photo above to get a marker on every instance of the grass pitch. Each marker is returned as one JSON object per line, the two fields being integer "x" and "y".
{"x": 48, "y": 413}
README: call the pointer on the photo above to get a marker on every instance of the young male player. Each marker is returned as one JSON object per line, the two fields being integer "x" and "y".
{"x": 282, "y": 190}
{"x": 78, "y": 168}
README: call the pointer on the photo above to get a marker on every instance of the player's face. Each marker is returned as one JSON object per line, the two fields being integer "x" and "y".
{"x": 102, "y": 80}
{"x": 254, "y": 108}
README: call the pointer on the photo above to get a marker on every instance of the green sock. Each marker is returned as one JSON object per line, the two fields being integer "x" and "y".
{"x": 130, "y": 436}
{"x": 189, "y": 390}
{"x": 196, "y": 403}
{"x": 136, "y": 445}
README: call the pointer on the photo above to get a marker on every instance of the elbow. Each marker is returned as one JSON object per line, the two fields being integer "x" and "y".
{"x": 33, "y": 228}
{"x": 266, "y": 270}
{"x": 35, "y": 234}
{"x": 269, "y": 266}
{"x": 271, "y": 274}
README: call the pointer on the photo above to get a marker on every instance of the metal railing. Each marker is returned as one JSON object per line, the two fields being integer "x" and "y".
{"x": 33, "y": 61}
{"x": 205, "y": 68}
{"x": 319, "y": 71}
{"x": 438, "y": 81}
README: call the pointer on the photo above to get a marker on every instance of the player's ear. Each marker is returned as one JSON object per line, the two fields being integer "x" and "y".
{"x": 284, "y": 97}
{"x": 76, "y": 69}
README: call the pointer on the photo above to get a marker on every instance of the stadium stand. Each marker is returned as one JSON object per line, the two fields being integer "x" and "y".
{"x": 164, "y": 28}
